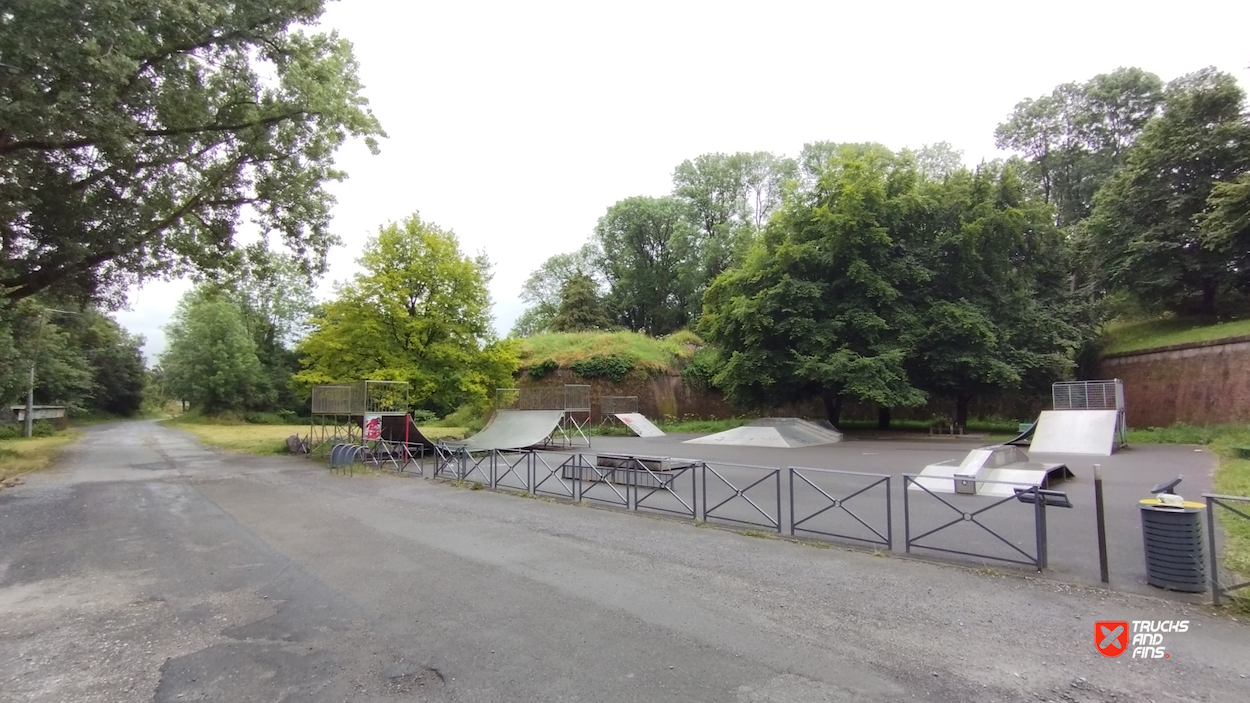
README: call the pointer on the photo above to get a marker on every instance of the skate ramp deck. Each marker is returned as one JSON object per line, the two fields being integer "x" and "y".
{"x": 990, "y": 471}
{"x": 514, "y": 429}
{"x": 1075, "y": 432}
{"x": 640, "y": 425}
{"x": 779, "y": 432}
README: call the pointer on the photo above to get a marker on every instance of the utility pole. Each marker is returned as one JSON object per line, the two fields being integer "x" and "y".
{"x": 30, "y": 388}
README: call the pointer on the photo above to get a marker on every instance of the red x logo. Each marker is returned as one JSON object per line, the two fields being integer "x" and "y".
{"x": 1111, "y": 637}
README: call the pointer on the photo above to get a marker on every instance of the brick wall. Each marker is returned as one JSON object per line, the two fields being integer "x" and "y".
{"x": 1204, "y": 383}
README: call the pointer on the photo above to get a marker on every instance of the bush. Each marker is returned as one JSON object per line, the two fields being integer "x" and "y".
{"x": 543, "y": 368}
{"x": 702, "y": 367}
{"x": 282, "y": 417}
{"x": 424, "y": 417}
{"x": 10, "y": 431}
{"x": 42, "y": 428}
{"x": 614, "y": 367}
{"x": 466, "y": 416}
{"x": 685, "y": 337}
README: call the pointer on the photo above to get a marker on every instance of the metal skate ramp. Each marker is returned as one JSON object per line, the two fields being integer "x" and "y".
{"x": 1076, "y": 432}
{"x": 639, "y": 424}
{"x": 780, "y": 432}
{"x": 513, "y": 429}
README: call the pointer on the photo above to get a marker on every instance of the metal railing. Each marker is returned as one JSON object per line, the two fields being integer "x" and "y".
{"x": 664, "y": 486}
{"x": 1219, "y": 591}
{"x": 804, "y": 481}
{"x": 739, "y": 495}
{"x": 1037, "y": 559}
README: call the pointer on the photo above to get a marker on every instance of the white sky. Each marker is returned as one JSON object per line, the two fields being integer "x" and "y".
{"x": 518, "y": 124}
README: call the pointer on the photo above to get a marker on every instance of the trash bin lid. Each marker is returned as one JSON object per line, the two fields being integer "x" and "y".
{"x": 1154, "y": 504}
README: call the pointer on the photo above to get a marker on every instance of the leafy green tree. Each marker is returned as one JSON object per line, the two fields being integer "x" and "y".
{"x": 1147, "y": 219}
{"x": 935, "y": 161}
{"x": 210, "y": 360}
{"x": 1075, "y": 138}
{"x": 818, "y": 309}
{"x": 1226, "y": 226}
{"x": 135, "y": 135}
{"x": 730, "y": 196}
{"x": 115, "y": 358}
{"x": 996, "y": 312}
{"x": 419, "y": 312}
{"x": 649, "y": 263}
{"x": 274, "y": 295}
{"x": 581, "y": 309}
{"x": 542, "y": 289}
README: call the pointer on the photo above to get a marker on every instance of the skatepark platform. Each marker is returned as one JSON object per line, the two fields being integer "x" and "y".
{"x": 513, "y": 429}
{"x": 778, "y": 432}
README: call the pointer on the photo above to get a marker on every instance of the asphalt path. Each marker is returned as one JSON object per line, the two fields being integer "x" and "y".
{"x": 146, "y": 567}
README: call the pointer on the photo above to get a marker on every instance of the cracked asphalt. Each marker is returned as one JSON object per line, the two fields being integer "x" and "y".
{"x": 147, "y": 567}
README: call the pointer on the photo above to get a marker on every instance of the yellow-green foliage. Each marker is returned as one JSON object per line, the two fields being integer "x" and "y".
{"x": 648, "y": 354}
{"x": 1133, "y": 336}
{"x": 269, "y": 439}
{"x": 17, "y": 456}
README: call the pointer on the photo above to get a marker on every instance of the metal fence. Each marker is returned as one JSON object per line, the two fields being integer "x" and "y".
{"x": 1218, "y": 589}
{"x": 732, "y": 500}
{"x": 832, "y": 491}
{"x": 612, "y": 404}
{"x": 965, "y": 514}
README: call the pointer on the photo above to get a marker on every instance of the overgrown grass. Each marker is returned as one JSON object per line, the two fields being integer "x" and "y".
{"x": 1134, "y": 336}
{"x": 18, "y": 456}
{"x": 1231, "y": 478}
{"x": 267, "y": 439}
{"x": 648, "y": 354}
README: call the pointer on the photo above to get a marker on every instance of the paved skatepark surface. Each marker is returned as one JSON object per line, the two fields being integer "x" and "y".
{"x": 146, "y": 567}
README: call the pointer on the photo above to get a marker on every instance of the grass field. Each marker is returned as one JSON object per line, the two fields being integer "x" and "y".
{"x": 18, "y": 456}
{"x": 1133, "y": 336}
{"x": 648, "y": 353}
{"x": 269, "y": 439}
{"x": 1231, "y": 478}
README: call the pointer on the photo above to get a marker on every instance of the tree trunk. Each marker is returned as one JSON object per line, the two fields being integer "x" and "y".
{"x": 1208, "y": 297}
{"x": 833, "y": 407}
{"x": 883, "y": 418}
{"x": 961, "y": 409}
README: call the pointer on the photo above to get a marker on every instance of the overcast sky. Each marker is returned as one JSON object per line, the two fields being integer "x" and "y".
{"x": 517, "y": 124}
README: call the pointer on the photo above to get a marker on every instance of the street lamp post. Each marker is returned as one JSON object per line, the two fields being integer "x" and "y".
{"x": 30, "y": 388}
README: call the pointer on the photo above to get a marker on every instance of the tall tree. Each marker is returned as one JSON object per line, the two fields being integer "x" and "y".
{"x": 581, "y": 309}
{"x": 1147, "y": 218}
{"x": 211, "y": 359}
{"x": 274, "y": 295}
{"x": 542, "y": 289}
{"x": 996, "y": 312}
{"x": 419, "y": 312}
{"x": 649, "y": 262}
{"x": 1075, "y": 138}
{"x": 136, "y": 134}
{"x": 818, "y": 308}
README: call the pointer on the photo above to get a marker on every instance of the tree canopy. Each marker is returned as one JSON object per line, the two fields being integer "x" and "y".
{"x": 137, "y": 136}
{"x": 210, "y": 360}
{"x": 419, "y": 312}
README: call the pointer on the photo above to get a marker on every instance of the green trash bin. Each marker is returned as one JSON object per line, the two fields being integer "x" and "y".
{"x": 1172, "y": 535}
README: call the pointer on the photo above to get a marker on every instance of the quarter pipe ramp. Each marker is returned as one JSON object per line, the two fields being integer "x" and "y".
{"x": 639, "y": 424}
{"x": 513, "y": 429}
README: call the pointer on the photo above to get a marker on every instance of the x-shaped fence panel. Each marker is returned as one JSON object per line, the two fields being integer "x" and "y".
{"x": 665, "y": 491}
{"x": 820, "y": 504}
{"x": 976, "y": 517}
{"x": 1218, "y": 590}
{"x": 511, "y": 470}
{"x": 602, "y": 484}
{"x": 460, "y": 464}
{"x": 558, "y": 480}
{"x": 747, "y": 495}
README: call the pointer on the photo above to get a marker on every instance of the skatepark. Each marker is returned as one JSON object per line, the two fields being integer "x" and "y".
{"x": 962, "y": 500}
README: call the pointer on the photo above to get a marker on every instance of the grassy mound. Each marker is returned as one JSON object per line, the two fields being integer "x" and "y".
{"x": 1121, "y": 337}
{"x": 648, "y": 354}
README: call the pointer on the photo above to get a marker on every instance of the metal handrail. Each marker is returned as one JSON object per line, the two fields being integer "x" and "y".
{"x": 1214, "y": 499}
